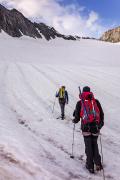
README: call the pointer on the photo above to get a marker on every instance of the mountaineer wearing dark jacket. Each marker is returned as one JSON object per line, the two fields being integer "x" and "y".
{"x": 63, "y": 99}
{"x": 90, "y": 132}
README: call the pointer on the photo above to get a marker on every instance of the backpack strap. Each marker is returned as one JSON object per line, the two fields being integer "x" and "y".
{"x": 84, "y": 107}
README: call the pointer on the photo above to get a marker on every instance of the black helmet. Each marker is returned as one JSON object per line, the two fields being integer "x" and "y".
{"x": 86, "y": 89}
{"x": 63, "y": 87}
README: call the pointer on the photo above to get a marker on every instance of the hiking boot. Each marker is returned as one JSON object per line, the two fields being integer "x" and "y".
{"x": 91, "y": 170}
{"x": 62, "y": 117}
{"x": 99, "y": 167}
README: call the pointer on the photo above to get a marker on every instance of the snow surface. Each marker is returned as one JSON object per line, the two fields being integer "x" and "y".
{"x": 34, "y": 145}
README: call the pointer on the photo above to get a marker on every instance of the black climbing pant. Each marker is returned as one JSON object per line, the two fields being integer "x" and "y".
{"x": 92, "y": 152}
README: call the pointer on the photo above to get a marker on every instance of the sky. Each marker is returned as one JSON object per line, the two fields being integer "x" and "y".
{"x": 76, "y": 17}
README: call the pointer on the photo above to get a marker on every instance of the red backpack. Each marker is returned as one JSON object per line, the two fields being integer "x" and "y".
{"x": 89, "y": 110}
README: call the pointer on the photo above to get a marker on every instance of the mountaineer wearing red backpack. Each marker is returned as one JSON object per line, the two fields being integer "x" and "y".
{"x": 92, "y": 120}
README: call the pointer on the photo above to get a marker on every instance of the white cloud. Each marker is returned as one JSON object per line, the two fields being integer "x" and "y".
{"x": 65, "y": 19}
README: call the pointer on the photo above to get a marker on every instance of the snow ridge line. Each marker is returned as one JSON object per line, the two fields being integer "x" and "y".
{"x": 44, "y": 74}
{"x": 38, "y": 98}
{"x": 8, "y": 157}
{"x": 33, "y": 171}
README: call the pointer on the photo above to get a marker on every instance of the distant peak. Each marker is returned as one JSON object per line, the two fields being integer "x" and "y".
{"x": 2, "y": 7}
{"x": 16, "y": 24}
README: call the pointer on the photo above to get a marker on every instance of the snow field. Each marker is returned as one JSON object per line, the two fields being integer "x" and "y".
{"x": 34, "y": 144}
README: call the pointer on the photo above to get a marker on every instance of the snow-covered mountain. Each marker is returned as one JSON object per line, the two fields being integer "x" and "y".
{"x": 34, "y": 145}
{"x": 16, "y": 25}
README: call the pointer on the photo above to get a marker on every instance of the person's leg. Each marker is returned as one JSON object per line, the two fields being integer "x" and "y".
{"x": 96, "y": 155}
{"x": 63, "y": 110}
{"x": 62, "y": 106}
{"x": 89, "y": 153}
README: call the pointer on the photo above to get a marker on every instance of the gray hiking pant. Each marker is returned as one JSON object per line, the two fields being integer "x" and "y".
{"x": 62, "y": 107}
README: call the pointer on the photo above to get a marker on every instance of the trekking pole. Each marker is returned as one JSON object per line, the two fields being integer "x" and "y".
{"x": 54, "y": 105}
{"x": 72, "y": 155}
{"x": 102, "y": 156}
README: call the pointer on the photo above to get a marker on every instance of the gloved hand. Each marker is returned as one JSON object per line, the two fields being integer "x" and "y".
{"x": 74, "y": 121}
{"x": 56, "y": 95}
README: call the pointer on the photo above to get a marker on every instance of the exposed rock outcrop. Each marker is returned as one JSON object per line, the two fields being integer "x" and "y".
{"x": 112, "y": 35}
{"x": 16, "y": 25}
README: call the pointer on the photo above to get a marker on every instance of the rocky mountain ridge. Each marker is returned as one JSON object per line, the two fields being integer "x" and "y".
{"x": 16, "y": 24}
{"x": 112, "y": 35}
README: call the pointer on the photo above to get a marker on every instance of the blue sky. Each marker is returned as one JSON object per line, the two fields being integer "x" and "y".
{"x": 76, "y": 17}
{"x": 108, "y": 10}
